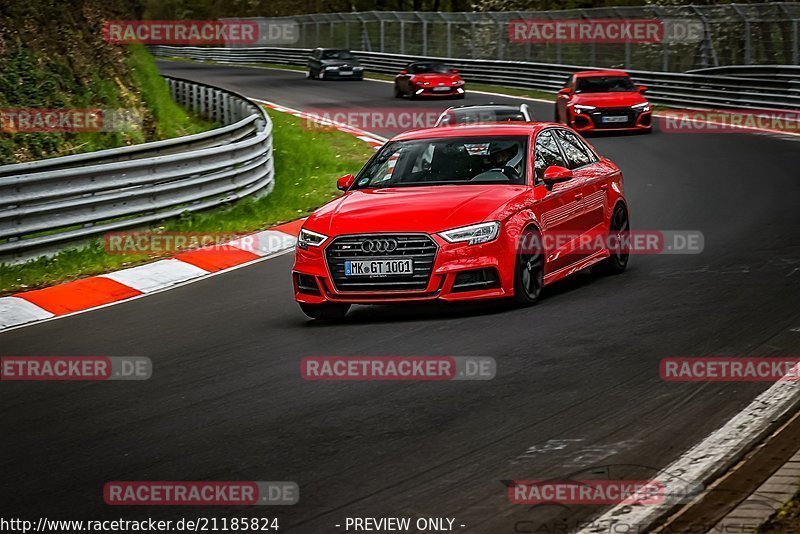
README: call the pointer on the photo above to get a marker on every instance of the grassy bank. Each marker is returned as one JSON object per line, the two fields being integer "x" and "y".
{"x": 53, "y": 56}
{"x": 307, "y": 164}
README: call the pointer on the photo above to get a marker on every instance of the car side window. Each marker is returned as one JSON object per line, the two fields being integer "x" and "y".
{"x": 546, "y": 153}
{"x": 578, "y": 154}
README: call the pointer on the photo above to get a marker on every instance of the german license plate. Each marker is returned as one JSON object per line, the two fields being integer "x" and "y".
{"x": 441, "y": 89}
{"x": 345, "y": 72}
{"x": 616, "y": 118}
{"x": 378, "y": 267}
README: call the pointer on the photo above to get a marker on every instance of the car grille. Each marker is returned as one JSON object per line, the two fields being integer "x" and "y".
{"x": 419, "y": 247}
{"x": 598, "y": 114}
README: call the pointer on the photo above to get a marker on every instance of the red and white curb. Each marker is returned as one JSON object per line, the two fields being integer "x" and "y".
{"x": 97, "y": 291}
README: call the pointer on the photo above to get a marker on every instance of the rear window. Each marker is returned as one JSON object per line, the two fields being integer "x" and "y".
{"x": 475, "y": 116}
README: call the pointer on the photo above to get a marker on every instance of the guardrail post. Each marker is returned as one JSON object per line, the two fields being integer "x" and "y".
{"x": 746, "y": 21}
{"x": 450, "y": 39}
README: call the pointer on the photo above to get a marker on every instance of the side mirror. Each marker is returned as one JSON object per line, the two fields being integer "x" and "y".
{"x": 344, "y": 183}
{"x": 555, "y": 173}
{"x": 404, "y": 71}
{"x": 454, "y": 71}
{"x": 641, "y": 88}
{"x": 564, "y": 92}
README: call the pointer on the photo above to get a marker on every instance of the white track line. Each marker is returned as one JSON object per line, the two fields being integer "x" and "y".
{"x": 705, "y": 461}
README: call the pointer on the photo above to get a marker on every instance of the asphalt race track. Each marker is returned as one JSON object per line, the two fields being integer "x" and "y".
{"x": 577, "y": 387}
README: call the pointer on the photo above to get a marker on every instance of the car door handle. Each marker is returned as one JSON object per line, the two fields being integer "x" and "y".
{"x": 578, "y": 196}
{"x": 604, "y": 187}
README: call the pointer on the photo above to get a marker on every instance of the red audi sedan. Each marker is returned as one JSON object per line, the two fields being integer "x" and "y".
{"x": 462, "y": 213}
{"x": 428, "y": 78}
{"x": 603, "y": 100}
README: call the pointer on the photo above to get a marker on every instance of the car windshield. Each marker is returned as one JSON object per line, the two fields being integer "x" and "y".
{"x": 336, "y": 54}
{"x": 604, "y": 84}
{"x": 429, "y": 68}
{"x": 446, "y": 161}
{"x": 481, "y": 115}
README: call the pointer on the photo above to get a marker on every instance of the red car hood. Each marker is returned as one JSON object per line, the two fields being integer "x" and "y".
{"x": 434, "y": 78}
{"x": 411, "y": 209}
{"x": 609, "y": 100}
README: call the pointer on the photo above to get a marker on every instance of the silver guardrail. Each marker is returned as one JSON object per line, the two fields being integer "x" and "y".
{"x": 675, "y": 89}
{"x": 50, "y": 203}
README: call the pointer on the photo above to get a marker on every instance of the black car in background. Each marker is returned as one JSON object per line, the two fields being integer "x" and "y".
{"x": 334, "y": 64}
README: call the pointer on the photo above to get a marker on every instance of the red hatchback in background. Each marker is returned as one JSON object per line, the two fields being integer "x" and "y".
{"x": 603, "y": 100}
{"x": 462, "y": 213}
{"x": 428, "y": 78}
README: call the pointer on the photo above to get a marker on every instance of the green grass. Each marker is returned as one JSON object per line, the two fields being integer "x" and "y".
{"x": 307, "y": 164}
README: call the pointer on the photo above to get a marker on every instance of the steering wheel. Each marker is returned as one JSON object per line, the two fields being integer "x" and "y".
{"x": 508, "y": 171}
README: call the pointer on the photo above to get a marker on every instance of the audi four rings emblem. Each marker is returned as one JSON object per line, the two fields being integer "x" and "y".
{"x": 379, "y": 245}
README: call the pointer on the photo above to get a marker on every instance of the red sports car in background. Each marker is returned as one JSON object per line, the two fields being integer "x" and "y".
{"x": 428, "y": 78}
{"x": 461, "y": 213}
{"x": 604, "y": 100}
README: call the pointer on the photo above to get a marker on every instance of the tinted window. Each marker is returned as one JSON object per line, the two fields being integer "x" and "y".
{"x": 461, "y": 160}
{"x": 604, "y": 84}
{"x": 478, "y": 115}
{"x": 546, "y": 153}
{"x": 429, "y": 68}
{"x": 578, "y": 154}
{"x": 336, "y": 54}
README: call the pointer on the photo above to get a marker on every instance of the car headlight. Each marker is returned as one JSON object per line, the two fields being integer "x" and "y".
{"x": 457, "y": 82}
{"x": 474, "y": 234}
{"x": 307, "y": 238}
{"x": 583, "y": 109}
{"x": 644, "y": 106}
{"x": 358, "y": 68}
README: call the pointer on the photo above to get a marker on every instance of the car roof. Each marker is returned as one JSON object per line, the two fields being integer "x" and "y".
{"x": 476, "y": 130}
{"x": 605, "y": 72}
{"x": 335, "y": 49}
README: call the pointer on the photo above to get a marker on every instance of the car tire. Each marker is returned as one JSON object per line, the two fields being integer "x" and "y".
{"x": 321, "y": 75}
{"x": 528, "y": 270}
{"x": 618, "y": 261}
{"x": 555, "y": 115}
{"x": 325, "y": 311}
{"x": 397, "y": 92}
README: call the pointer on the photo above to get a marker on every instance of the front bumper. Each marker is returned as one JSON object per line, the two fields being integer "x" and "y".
{"x": 456, "y": 267}
{"x": 344, "y": 75}
{"x": 597, "y": 120}
{"x": 431, "y": 91}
